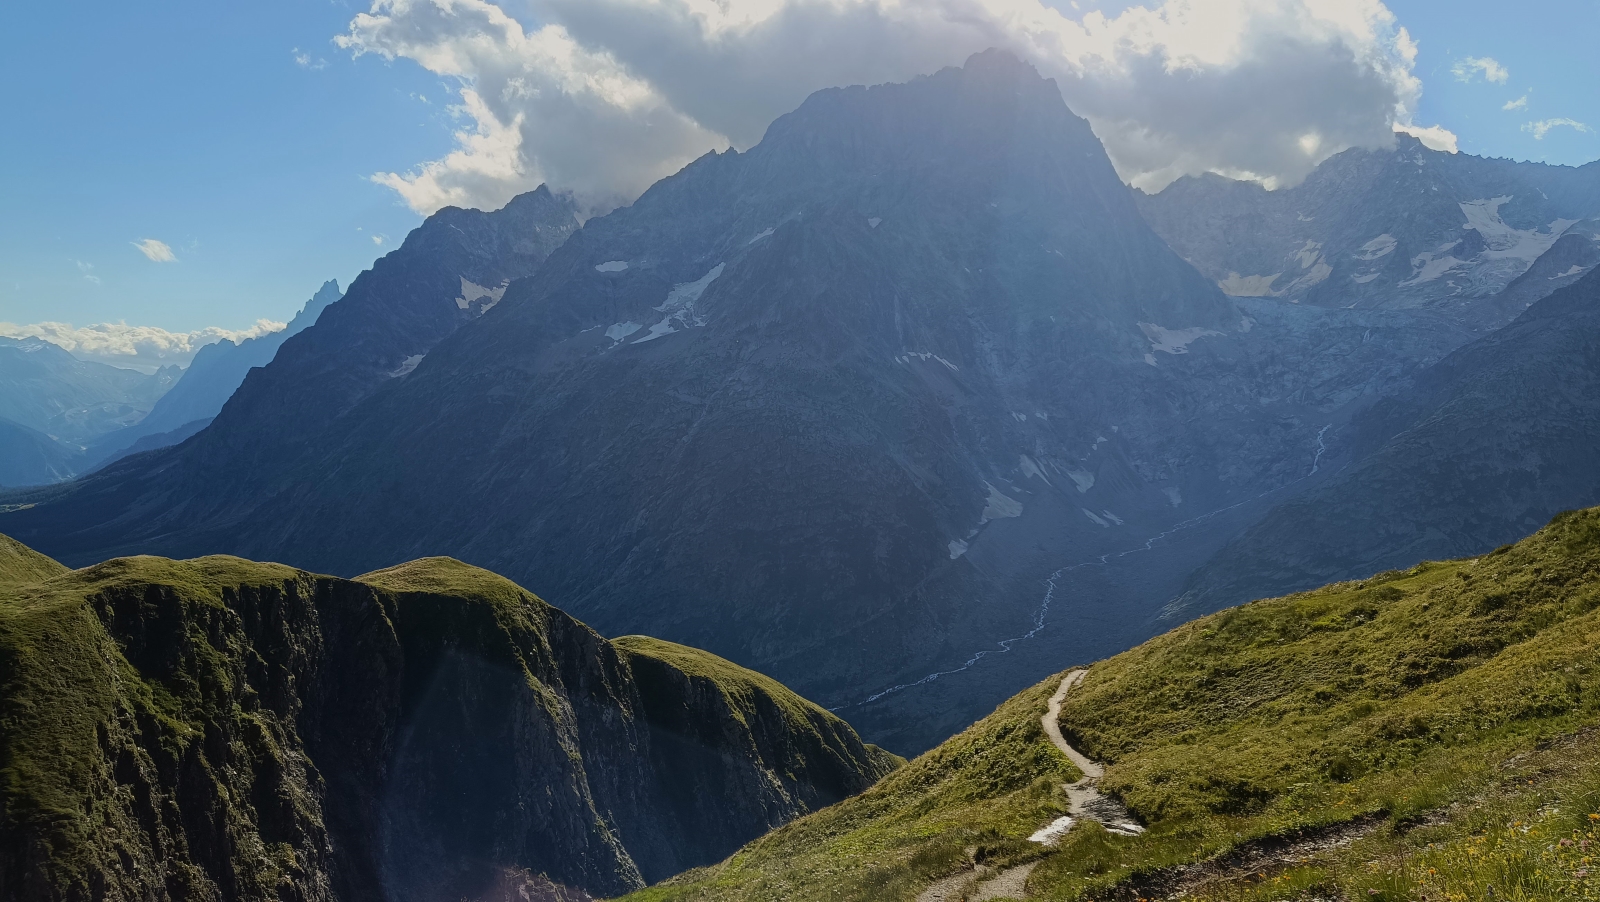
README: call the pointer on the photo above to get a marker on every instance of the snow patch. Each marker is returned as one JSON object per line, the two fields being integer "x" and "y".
{"x": 1362, "y": 280}
{"x": 1020, "y": 417}
{"x": 1426, "y": 267}
{"x": 1052, "y": 832}
{"x": 925, "y": 355}
{"x": 957, "y": 548}
{"x": 1031, "y": 469}
{"x": 1095, "y": 517}
{"x": 1309, "y": 254}
{"x": 1083, "y": 479}
{"x": 619, "y": 331}
{"x": 999, "y": 507}
{"x": 471, "y": 293}
{"x": 407, "y": 365}
{"x": 1504, "y": 241}
{"x": 1569, "y": 273}
{"x": 679, "y": 306}
{"x": 1239, "y": 286}
{"x": 1377, "y": 248}
{"x": 1246, "y": 324}
{"x": 764, "y": 234}
{"x": 873, "y": 222}
{"x": 1173, "y": 341}
{"x": 1112, "y": 517}
{"x": 612, "y": 266}
{"x": 1174, "y": 495}
{"x": 1150, "y": 359}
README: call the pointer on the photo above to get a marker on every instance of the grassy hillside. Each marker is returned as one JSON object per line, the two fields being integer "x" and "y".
{"x": 1420, "y": 735}
{"x": 223, "y": 729}
{"x": 21, "y": 565}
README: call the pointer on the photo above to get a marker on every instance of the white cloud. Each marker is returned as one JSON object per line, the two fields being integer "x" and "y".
{"x": 305, "y": 61}
{"x": 1473, "y": 66}
{"x": 607, "y": 96}
{"x": 1544, "y": 126}
{"x": 158, "y": 251}
{"x": 87, "y": 270}
{"x": 138, "y": 347}
{"x": 1519, "y": 104}
{"x": 379, "y": 239}
{"x": 1433, "y": 137}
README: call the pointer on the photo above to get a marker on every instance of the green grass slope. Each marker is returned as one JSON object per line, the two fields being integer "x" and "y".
{"x": 1424, "y": 734}
{"x": 21, "y": 565}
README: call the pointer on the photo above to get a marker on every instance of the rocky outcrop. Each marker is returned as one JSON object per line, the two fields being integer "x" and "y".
{"x": 224, "y": 730}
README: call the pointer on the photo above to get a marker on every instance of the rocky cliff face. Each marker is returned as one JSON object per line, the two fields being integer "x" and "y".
{"x": 1393, "y": 229}
{"x": 220, "y": 729}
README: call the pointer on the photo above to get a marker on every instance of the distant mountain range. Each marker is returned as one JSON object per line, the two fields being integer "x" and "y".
{"x": 209, "y": 381}
{"x": 52, "y": 405}
{"x": 911, "y": 398}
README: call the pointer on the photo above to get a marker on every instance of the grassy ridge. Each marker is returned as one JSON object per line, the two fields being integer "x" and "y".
{"x": 1385, "y": 703}
{"x": 22, "y": 566}
{"x": 219, "y": 728}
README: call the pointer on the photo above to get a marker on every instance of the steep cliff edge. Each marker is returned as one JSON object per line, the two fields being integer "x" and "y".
{"x": 222, "y": 729}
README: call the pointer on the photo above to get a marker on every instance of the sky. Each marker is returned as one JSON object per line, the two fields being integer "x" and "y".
{"x": 173, "y": 173}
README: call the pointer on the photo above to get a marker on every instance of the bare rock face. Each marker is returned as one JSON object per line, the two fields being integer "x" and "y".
{"x": 219, "y": 729}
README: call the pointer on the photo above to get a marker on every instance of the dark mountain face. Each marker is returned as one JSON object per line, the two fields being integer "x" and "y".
{"x": 1394, "y": 229}
{"x": 1492, "y": 441}
{"x": 220, "y": 729}
{"x": 211, "y": 379}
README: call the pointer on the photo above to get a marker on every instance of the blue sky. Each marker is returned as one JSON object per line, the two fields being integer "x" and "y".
{"x": 241, "y": 137}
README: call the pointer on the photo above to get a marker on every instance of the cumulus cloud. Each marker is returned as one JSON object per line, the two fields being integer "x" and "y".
{"x": 606, "y": 96}
{"x": 1471, "y": 67}
{"x": 1520, "y": 103}
{"x": 158, "y": 251}
{"x": 136, "y": 347}
{"x": 1544, "y": 126}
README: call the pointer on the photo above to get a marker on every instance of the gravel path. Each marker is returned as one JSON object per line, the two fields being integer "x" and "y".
{"x": 1083, "y": 801}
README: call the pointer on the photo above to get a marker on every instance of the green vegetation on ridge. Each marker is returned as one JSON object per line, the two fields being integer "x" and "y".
{"x": 223, "y": 729}
{"x": 1389, "y": 713}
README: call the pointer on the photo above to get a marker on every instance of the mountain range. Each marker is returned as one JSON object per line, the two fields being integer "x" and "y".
{"x": 904, "y": 403}
{"x": 53, "y": 405}
{"x": 1405, "y": 228}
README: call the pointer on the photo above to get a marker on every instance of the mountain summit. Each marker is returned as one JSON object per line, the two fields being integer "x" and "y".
{"x": 828, "y": 407}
